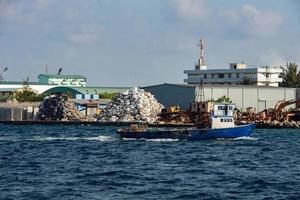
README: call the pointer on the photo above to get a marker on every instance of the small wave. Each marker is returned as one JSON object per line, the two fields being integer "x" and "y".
{"x": 97, "y": 138}
{"x": 245, "y": 138}
{"x": 40, "y": 138}
{"x": 102, "y": 138}
{"x": 129, "y": 139}
{"x": 162, "y": 140}
{"x": 151, "y": 140}
{"x": 6, "y": 139}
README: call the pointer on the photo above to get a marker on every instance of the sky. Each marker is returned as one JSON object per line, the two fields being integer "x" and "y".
{"x": 143, "y": 42}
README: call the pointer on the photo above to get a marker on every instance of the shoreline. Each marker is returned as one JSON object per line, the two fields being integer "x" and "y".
{"x": 98, "y": 123}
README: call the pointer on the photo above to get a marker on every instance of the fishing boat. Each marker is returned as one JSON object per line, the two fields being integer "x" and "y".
{"x": 222, "y": 125}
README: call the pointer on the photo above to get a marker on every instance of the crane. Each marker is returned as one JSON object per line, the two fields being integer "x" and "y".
{"x": 2, "y": 75}
{"x": 281, "y": 105}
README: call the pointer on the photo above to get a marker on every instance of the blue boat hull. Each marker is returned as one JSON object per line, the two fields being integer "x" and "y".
{"x": 234, "y": 132}
{"x": 189, "y": 133}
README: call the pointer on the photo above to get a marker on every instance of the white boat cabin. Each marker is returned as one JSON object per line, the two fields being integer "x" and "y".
{"x": 222, "y": 115}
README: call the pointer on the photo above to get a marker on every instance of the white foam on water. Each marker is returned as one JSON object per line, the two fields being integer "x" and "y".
{"x": 162, "y": 140}
{"x": 150, "y": 140}
{"x": 245, "y": 138}
{"x": 130, "y": 139}
{"x": 6, "y": 139}
{"x": 41, "y": 138}
{"x": 101, "y": 138}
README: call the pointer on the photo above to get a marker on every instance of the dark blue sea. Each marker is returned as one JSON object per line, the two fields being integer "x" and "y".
{"x": 91, "y": 162}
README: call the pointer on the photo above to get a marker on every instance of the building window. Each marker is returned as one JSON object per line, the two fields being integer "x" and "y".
{"x": 237, "y": 75}
{"x": 212, "y": 75}
{"x": 267, "y": 75}
{"x": 205, "y": 76}
{"x": 220, "y": 75}
{"x": 229, "y": 75}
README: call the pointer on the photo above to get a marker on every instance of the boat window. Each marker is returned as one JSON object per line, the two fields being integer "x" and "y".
{"x": 221, "y": 107}
{"x": 221, "y": 119}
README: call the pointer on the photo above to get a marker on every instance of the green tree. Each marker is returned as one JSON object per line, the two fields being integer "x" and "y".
{"x": 107, "y": 95}
{"x": 247, "y": 81}
{"x": 27, "y": 94}
{"x": 291, "y": 76}
{"x": 223, "y": 99}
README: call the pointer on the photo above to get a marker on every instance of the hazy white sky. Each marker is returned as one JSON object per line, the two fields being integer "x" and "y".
{"x": 143, "y": 42}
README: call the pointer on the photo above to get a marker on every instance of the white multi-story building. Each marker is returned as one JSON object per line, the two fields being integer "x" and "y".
{"x": 238, "y": 73}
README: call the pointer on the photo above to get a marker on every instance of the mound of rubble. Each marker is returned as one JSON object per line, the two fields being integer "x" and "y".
{"x": 59, "y": 107}
{"x": 134, "y": 105}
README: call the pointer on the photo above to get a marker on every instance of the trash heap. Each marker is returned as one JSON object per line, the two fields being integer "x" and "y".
{"x": 134, "y": 105}
{"x": 59, "y": 107}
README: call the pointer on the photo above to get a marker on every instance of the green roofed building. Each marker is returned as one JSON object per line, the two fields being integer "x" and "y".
{"x": 85, "y": 91}
{"x": 63, "y": 80}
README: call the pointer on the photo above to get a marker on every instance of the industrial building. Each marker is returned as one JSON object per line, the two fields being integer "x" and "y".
{"x": 258, "y": 97}
{"x": 235, "y": 75}
{"x": 7, "y": 88}
{"x": 65, "y": 80}
{"x": 75, "y": 85}
{"x": 85, "y": 92}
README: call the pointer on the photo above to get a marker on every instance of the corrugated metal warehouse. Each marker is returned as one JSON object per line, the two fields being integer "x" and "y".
{"x": 244, "y": 96}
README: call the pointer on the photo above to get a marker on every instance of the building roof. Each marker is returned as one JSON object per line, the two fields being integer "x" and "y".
{"x": 63, "y": 76}
{"x": 21, "y": 83}
{"x": 85, "y": 90}
{"x": 88, "y": 101}
{"x": 8, "y": 89}
{"x": 93, "y": 89}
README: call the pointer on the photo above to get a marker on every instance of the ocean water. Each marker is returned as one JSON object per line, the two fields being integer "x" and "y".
{"x": 91, "y": 162}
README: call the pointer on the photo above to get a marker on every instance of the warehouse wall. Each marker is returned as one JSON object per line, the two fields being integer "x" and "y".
{"x": 257, "y": 97}
{"x": 172, "y": 95}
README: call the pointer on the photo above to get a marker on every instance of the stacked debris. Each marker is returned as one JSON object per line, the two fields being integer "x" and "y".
{"x": 277, "y": 124}
{"x": 132, "y": 106}
{"x": 174, "y": 115}
{"x": 58, "y": 107}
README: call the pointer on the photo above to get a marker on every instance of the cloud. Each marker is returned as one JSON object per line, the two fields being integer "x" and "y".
{"x": 230, "y": 16}
{"x": 246, "y": 20}
{"x": 271, "y": 57}
{"x": 21, "y": 10}
{"x": 84, "y": 33}
{"x": 191, "y": 9}
{"x": 8, "y": 10}
{"x": 259, "y": 22}
{"x": 42, "y": 3}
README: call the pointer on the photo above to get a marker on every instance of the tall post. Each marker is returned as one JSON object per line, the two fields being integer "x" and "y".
{"x": 201, "y": 63}
{"x": 201, "y": 60}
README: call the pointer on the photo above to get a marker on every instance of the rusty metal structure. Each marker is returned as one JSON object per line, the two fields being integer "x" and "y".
{"x": 279, "y": 114}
